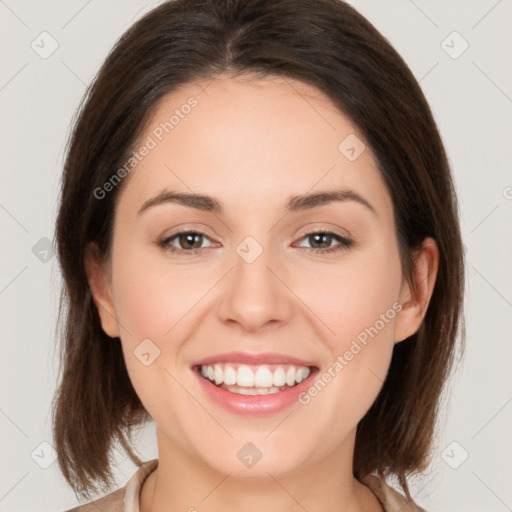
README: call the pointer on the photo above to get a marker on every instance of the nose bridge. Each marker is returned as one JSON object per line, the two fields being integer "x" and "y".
{"x": 254, "y": 296}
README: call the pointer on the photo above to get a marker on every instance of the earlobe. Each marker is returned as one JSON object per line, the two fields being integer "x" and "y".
{"x": 99, "y": 283}
{"x": 415, "y": 299}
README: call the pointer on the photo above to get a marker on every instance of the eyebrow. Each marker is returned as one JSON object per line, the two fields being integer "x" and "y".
{"x": 294, "y": 204}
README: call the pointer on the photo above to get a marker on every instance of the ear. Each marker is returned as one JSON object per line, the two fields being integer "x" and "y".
{"x": 100, "y": 285}
{"x": 415, "y": 299}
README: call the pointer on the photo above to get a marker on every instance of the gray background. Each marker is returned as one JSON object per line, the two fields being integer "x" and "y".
{"x": 471, "y": 97}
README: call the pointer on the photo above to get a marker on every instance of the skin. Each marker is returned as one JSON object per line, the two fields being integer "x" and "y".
{"x": 252, "y": 143}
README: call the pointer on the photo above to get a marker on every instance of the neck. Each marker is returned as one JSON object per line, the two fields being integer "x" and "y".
{"x": 182, "y": 482}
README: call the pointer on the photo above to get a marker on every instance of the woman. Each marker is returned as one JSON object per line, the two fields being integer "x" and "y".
{"x": 261, "y": 252}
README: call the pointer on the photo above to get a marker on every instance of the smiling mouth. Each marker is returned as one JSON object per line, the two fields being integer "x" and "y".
{"x": 254, "y": 379}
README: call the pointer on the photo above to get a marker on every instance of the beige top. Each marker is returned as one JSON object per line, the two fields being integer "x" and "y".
{"x": 126, "y": 499}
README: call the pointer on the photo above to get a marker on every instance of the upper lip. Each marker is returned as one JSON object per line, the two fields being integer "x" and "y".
{"x": 253, "y": 359}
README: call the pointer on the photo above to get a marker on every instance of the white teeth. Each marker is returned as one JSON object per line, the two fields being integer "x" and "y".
{"x": 263, "y": 377}
{"x": 252, "y": 391}
{"x": 290, "y": 376}
{"x": 257, "y": 378}
{"x": 219, "y": 377}
{"x": 279, "y": 378}
{"x": 300, "y": 375}
{"x": 245, "y": 376}
{"x": 229, "y": 375}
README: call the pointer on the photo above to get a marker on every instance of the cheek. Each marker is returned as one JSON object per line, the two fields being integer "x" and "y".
{"x": 151, "y": 304}
{"x": 354, "y": 297}
{"x": 151, "y": 296}
{"x": 343, "y": 301}
{"x": 358, "y": 305}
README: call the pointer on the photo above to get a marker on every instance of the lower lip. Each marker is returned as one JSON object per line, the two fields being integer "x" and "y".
{"x": 255, "y": 405}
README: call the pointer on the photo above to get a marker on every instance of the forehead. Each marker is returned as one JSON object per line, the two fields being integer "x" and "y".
{"x": 250, "y": 142}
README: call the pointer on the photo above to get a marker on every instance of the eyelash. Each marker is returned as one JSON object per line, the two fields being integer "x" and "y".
{"x": 345, "y": 243}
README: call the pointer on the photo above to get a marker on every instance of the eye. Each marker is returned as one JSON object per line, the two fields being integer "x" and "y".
{"x": 190, "y": 242}
{"x": 325, "y": 239}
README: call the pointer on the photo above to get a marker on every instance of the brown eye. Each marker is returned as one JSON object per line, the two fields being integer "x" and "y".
{"x": 320, "y": 239}
{"x": 321, "y": 242}
{"x": 188, "y": 242}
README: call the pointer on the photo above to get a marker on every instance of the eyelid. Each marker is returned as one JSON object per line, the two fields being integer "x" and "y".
{"x": 165, "y": 240}
{"x": 344, "y": 242}
{"x": 320, "y": 227}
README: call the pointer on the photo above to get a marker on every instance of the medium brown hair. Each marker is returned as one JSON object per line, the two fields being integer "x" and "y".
{"x": 326, "y": 44}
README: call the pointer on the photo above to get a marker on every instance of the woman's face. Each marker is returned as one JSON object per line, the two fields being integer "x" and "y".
{"x": 252, "y": 295}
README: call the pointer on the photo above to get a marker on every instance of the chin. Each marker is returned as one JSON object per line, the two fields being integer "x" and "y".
{"x": 253, "y": 457}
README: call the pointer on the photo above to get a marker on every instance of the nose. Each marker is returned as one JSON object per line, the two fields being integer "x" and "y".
{"x": 255, "y": 294}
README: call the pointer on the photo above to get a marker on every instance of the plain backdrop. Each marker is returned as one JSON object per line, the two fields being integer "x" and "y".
{"x": 470, "y": 92}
